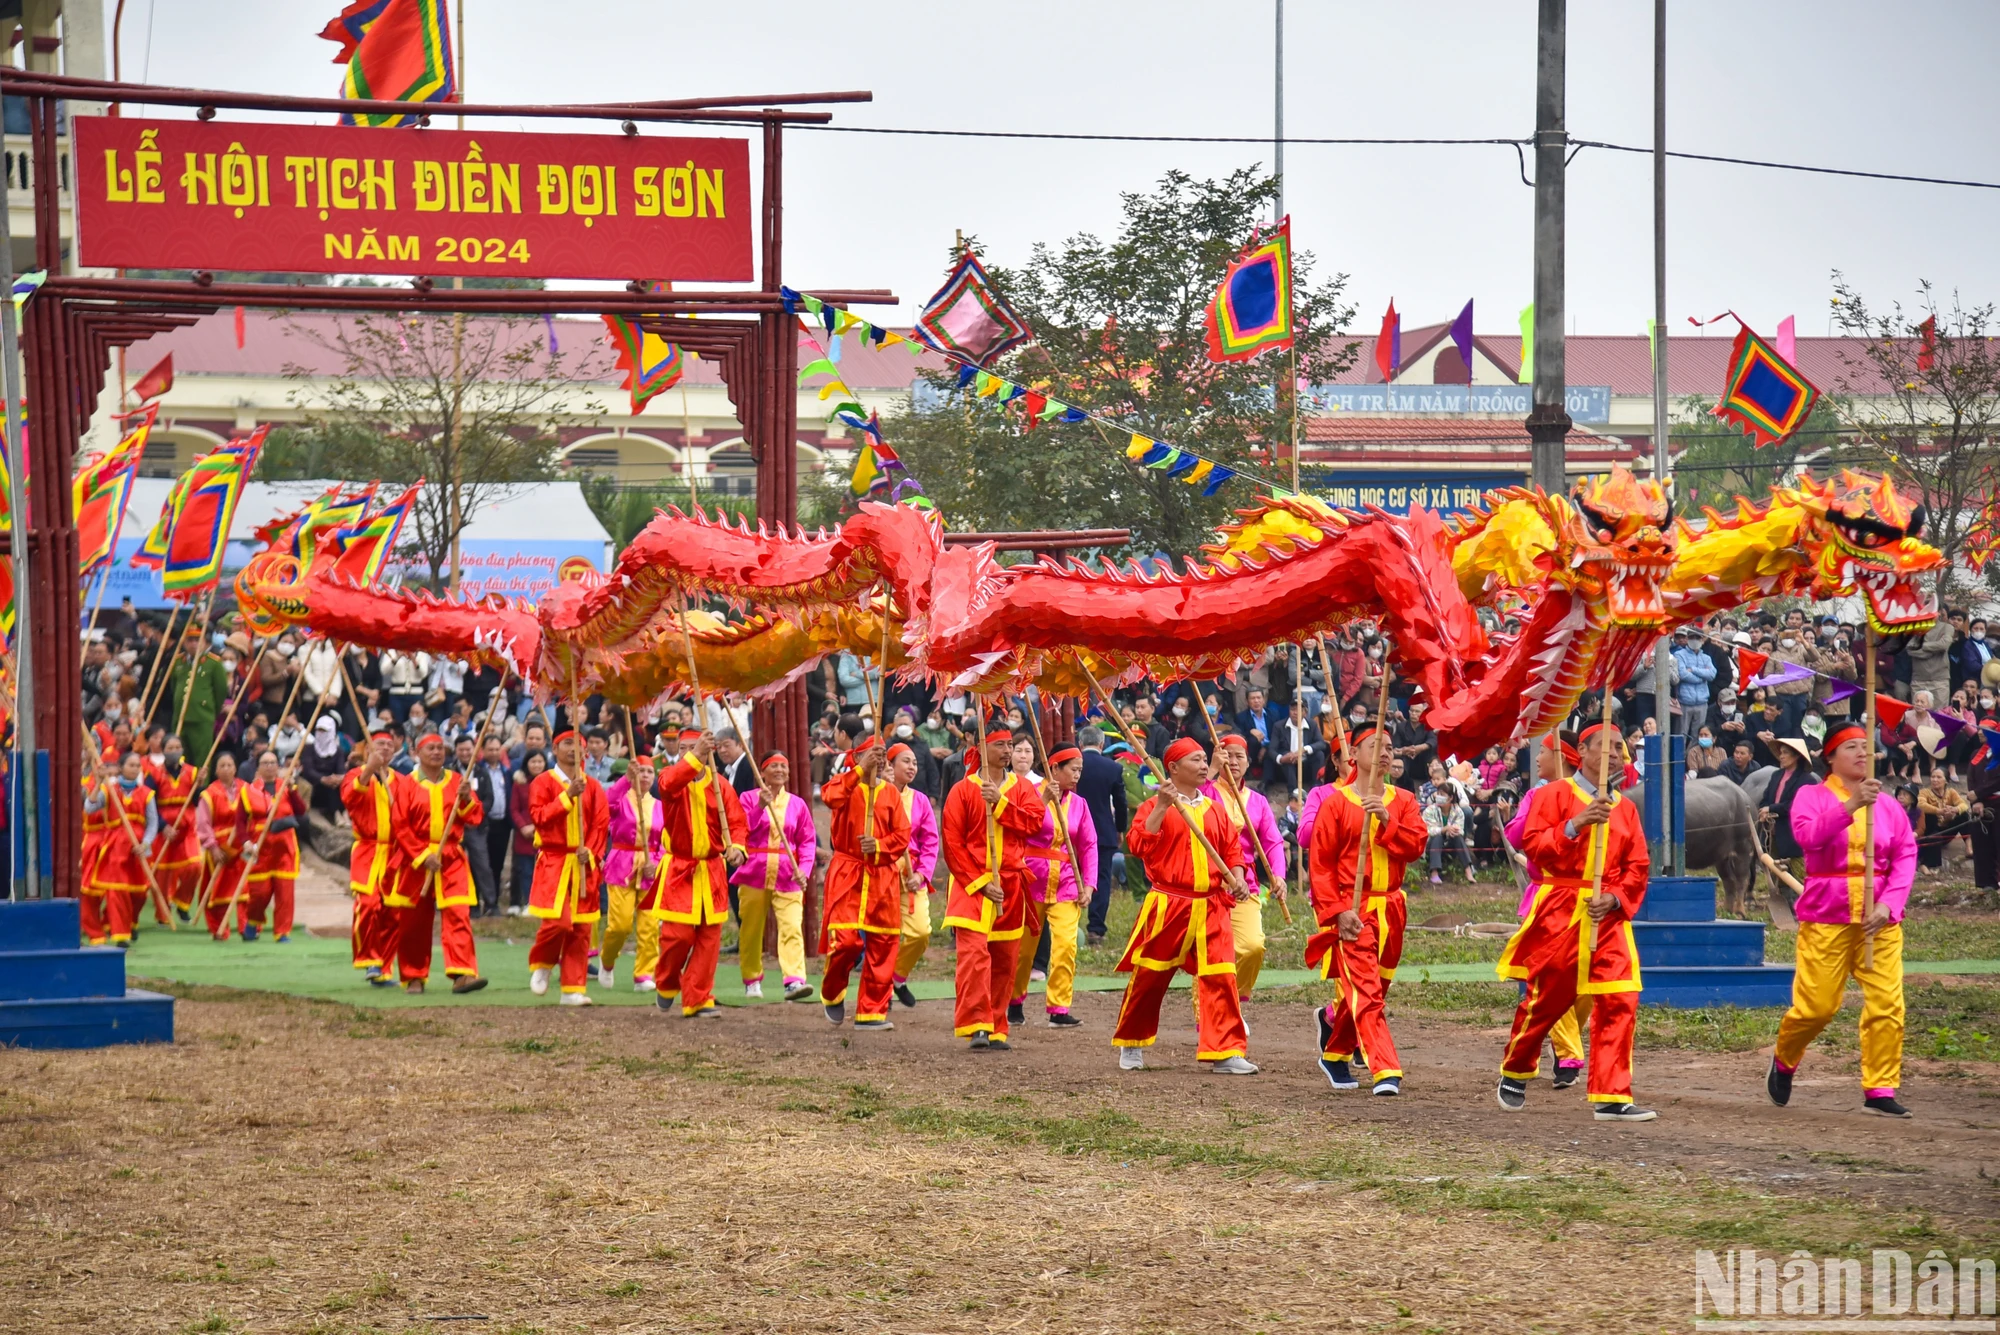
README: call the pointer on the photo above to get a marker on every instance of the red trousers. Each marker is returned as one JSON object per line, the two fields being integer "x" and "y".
{"x": 1192, "y": 935}
{"x": 1613, "y": 1019}
{"x": 413, "y": 938}
{"x": 984, "y": 982}
{"x": 267, "y": 891}
{"x": 563, "y": 945}
{"x": 376, "y": 932}
{"x": 876, "y": 952}
{"x": 687, "y": 963}
{"x": 109, "y": 916}
{"x": 1356, "y": 1015}
{"x": 179, "y": 884}
{"x": 218, "y": 917}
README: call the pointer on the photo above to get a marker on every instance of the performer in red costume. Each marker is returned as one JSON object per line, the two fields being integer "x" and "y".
{"x": 572, "y": 826}
{"x": 1363, "y": 838}
{"x": 1578, "y": 837}
{"x": 177, "y": 859}
{"x": 864, "y": 891}
{"x": 706, "y": 837}
{"x": 1184, "y": 919}
{"x": 372, "y": 864}
{"x": 988, "y": 816}
{"x": 429, "y": 811}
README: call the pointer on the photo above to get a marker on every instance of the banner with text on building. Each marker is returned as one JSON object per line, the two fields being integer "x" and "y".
{"x": 345, "y": 199}
{"x": 1444, "y": 493}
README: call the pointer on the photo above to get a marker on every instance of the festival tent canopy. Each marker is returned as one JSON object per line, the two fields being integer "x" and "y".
{"x": 515, "y": 543}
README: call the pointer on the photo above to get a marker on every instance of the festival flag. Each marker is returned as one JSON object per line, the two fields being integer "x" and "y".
{"x": 194, "y": 548}
{"x": 156, "y": 381}
{"x": 1461, "y": 338}
{"x": 1764, "y": 394}
{"x": 395, "y": 51}
{"x": 366, "y": 546}
{"x": 1252, "y": 306}
{"x": 1889, "y": 711}
{"x": 1749, "y": 664}
{"x": 1788, "y": 339}
{"x": 1982, "y": 539}
{"x": 101, "y": 489}
{"x": 326, "y": 518}
{"x": 1786, "y": 673}
{"x": 1989, "y": 753}
{"x": 1837, "y": 690}
{"x": 967, "y": 318}
{"x": 1927, "y": 344}
{"x": 1389, "y": 344}
{"x": 651, "y": 364}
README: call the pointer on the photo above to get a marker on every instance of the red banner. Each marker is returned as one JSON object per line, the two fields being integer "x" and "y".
{"x": 346, "y": 199}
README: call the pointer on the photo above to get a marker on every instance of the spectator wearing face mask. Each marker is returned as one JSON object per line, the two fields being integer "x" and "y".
{"x": 1704, "y": 758}
{"x": 1974, "y": 657}
{"x": 1793, "y": 696}
{"x": 905, "y": 730}
{"x": 1694, "y": 671}
{"x": 1834, "y": 660}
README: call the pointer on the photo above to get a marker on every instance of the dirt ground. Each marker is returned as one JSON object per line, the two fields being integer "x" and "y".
{"x": 297, "y": 1166}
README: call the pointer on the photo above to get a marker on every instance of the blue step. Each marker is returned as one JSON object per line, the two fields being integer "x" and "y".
{"x": 1689, "y": 987}
{"x": 53, "y": 975}
{"x": 1699, "y": 943}
{"x": 87, "y": 1022}
{"x": 57, "y": 994}
{"x": 39, "y": 924}
{"x": 1678, "y": 899}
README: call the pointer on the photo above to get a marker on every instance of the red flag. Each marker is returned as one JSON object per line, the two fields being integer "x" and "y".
{"x": 1927, "y": 344}
{"x": 1889, "y": 710}
{"x": 1389, "y": 343}
{"x": 1749, "y": 665}
{"x": 239, "y": 328}
{"x": 156, "y": 381}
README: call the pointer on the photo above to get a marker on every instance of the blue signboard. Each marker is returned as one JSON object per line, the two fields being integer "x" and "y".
{"x": 1586, "y": 403}
{"x": 1398, "y": 492}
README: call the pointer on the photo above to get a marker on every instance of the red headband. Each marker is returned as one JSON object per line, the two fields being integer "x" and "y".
{"x": 900, "y": 750}
{"x": 1846, "y": 733}
{"x": 1064, "y": 756}
{"x": 382, "y": 732}
{"x": 864, "y": 746}
{"x": 773, "y": 758}
{"x": 1594, "y": 729}
{"x": 428, "y": 738}
{"x": 1181, "y": 750}
{"x": 1236, "y": 740}
{"x": 1360, "y": 735}
{"x": 1569, "y": 753}
{"x": 566, "y": 735}
{"x": 690, "y": 734}
{"x": 999, "y": 735}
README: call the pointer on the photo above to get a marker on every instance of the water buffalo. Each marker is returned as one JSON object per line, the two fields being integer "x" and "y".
{"x": 1721, "y": 834}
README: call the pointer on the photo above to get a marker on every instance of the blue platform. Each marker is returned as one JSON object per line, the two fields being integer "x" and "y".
{"x": 1688, "y": 957}
{"x": 55, "y": 994}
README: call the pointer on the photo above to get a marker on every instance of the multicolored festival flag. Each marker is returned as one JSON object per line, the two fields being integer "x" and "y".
{"x": 651, "y": 364}
{"x": 188, "y": 541}
{"x": 365, "y": 547}
{"x": 1252, "y": 308}
{"x": 1982, "y": 540}
{"x": 875, "y": 460}
{"x": 1764, "y": 394}
{"x": 395, "y": 51}
{"x": 102, "y": 488}
{"x": 967, "y": 318}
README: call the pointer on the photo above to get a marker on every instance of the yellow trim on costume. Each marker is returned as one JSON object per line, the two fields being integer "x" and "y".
{"x": 1224, "y": 1055}
{"x": 1520, "y": 1075}
{"x": 1378, "y": 861}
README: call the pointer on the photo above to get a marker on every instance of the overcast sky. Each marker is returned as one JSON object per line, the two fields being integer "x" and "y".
{"x": 1824, "y": 82}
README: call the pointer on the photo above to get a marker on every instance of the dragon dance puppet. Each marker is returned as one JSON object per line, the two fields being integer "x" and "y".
{"x": 1601, "y": 574}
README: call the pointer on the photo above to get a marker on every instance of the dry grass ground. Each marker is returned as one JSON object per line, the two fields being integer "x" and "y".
{"x": 296, "y": 1166}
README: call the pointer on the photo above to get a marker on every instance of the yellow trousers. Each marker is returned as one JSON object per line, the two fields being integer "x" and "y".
{"x": 1062, "y": 955}
{"x": 1828, "y": 955}
{"x": 916, "y": 932}
{"x": 1246, "y": 924}
{"x": 752, "y": 904}
{"x": 617, "y": 926}
{"x": 1567, "y": 1035}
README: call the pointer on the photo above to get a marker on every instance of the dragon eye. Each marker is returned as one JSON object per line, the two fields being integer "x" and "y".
{"x": 1604, "y": 535}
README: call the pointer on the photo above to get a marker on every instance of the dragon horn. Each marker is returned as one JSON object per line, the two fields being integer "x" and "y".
{"x": 1918, "y": 517}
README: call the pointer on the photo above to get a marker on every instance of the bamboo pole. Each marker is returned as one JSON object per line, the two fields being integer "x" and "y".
{"x": 148, "y": 699}
{"x": 1059, "y": 818}
{"x": 1868, "y": 816}
{"x": 200, "y": 652}
{"x": 291, "y": 769}
{"x": 764, "y": 794}
{"x": 1160, "y": 771}
{"x": 1229, "y": 781}
{"x": 1603, "y": 779}
{"x": 994, "y": 890}
{"x": 215, "y": 743}
{"x": 1381, "y": 780}
{"x": 154, "y": 895}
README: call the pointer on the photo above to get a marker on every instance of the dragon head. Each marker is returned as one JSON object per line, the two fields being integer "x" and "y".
{"x": 1869, "y": 544}
{"x": 1621, "y": 546}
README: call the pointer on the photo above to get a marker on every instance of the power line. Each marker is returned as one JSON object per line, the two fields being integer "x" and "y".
{"x": 1261, "y": 141}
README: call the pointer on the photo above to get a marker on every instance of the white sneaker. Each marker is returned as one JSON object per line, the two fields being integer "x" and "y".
{"x": 606, "y": 977}
{"x": 576, "y": 999}
{"x": 538, "y": 982}
{"x": 754, "y": 989}
{"x": 1233, "y": 1066}
{"x": 644, "y": 985}
{"x": 1131, "y": 1059}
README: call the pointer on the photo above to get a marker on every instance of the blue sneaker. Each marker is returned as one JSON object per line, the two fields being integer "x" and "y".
{"x": 250, "y": 932}
{"x": 1337, "y": 1074}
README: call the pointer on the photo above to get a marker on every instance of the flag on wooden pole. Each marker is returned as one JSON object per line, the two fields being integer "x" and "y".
{"x": 1252, "y": 306}
{"x": 395, "y": 51}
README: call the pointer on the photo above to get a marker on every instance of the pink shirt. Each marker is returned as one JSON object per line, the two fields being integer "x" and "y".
{"x": 1829, "y": 836}
{"x": 765, "y": 863}
{"x": 1260, "y": 826}
{"x": 618, "y": 861}
{"x": 1054, "y": 881}
{"x": 923, "y": 833}
{"x": 1516, "y": 830}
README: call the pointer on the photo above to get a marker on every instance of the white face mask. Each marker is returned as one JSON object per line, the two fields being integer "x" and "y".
{"x": 905, "y": 730}
{"x": 1180, "y": 709}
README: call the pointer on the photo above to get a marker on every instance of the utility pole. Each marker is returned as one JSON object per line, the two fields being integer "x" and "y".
{"x": 1278, "y": 121}
{"x": 457, "y": 352}
{"x": 1548, "y": 418}
{"x": 1672, "y": 855}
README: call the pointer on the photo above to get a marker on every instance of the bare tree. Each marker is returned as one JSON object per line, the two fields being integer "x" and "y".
{"x": 404, "y": 380}
{"x": 1924, "y": 391}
